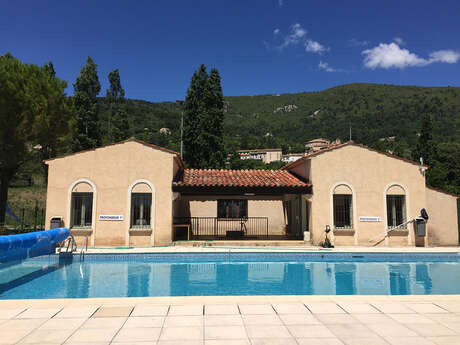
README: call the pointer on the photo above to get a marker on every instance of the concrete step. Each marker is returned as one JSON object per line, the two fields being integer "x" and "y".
{"x": 256, "y": 243}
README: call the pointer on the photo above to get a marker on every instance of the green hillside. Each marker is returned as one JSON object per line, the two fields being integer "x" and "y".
{"x": 372, "y": 111}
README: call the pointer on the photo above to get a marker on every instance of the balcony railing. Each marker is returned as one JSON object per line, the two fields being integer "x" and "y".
{"x": 202, "y": 228}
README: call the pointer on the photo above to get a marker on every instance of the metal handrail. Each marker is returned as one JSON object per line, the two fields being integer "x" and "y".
{"x": 71, "y": 244}
{"x": 84, "y": 248}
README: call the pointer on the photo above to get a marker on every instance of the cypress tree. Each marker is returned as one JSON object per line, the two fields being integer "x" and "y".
{"x": 86, "y": 87}
{"x": 426, "y": 147}
{"x": 118, "y": 118}
{"x": 203, "y": 121}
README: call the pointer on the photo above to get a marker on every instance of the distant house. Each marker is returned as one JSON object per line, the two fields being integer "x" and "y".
{"x": 320, "y": 144}
{"x": 264, "y": 155}
{"x": 291, "y": 157}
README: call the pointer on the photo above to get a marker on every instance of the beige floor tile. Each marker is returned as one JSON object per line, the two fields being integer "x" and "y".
{"x": 104, "y": 322}
{"x": 336, "y": 318}
{"x": 431, "y": 330}
{"x": 273, "y": 341}
{"x": 319, "y": 341}
{"x": 182, "y": 333}
{"x": 62, "y": 324}
{"x": 183, "y": 321}
{"x": 426, "y": 308}
{"x": 374, "y": 318}
{"x": 192, "y": 309}
{"x": 180, "y": 342}
{"x": 38, "y": 313}
{"x": 226, "y": 342}
{"x": 109, "y": 311}
{"x": 409, "y": 341}
{"x": 453, "y": 307}
{"x": 55, "y": 336}
{"x": 392, "y": 308}
{"x": 299, "y": 319}
{"x": 272, "y": 332}
{"x": 351, "y": 330}
{"x": 10, "y": 313}
{"x": 310, "y": 331}
{"x": 262, "y": 320}
{"x": 391, "y": 330}
{"x": 136, "y": 343}
{"x": 364, "y": 341}
{"x": 91, "y": 343}
{"x": 225, "y": 332}
{"x": 150, "y": 310}
{"x": 27, "y": 324}
{"x": 454, "y": 340}
{"x": 221, "y": 309}
{"x": 291, "y": 308}
{"x": 137, "y": 334}
{"x": 93, "y": 335}
{"x": 256, "y": 309}
{"x": 76, "y": 312}
{"x": 144, "y": 321}
{"x": 411, "y": 318}
{"x": 359, "y": 308}
{"x": 324, "y": 308}
{"x": 219, "y": 320}
{"x": 12, "y": 336}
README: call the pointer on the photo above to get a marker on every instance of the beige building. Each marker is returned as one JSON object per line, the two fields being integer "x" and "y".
{"x": 264, "y": 155}
{"x": 137, "y": 194}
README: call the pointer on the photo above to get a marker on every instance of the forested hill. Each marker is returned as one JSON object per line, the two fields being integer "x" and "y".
{"x": 289, "y": 120}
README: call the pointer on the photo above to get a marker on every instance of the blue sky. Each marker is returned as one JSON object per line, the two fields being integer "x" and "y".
{"x": 259, "y": 46}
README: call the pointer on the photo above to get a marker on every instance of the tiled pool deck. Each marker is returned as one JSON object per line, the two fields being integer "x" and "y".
{"x": 234, "y": 320}
{"x": 268, "y": 320}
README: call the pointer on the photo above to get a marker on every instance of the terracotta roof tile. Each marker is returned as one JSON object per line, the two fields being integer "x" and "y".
{"x": 239, "y": 178}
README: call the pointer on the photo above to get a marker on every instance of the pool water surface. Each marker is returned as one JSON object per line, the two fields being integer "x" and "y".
{"x": 211, "y": 274}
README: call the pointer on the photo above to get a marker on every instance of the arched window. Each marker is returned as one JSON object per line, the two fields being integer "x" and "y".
{"x": 141, "y": 206}
{"x": 81, "y": 214}
{"x": 343, "y": 207}
{"x": 396, "y": 206}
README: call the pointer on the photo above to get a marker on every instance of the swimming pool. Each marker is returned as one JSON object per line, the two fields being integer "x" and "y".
{"x": 210, "y": 274}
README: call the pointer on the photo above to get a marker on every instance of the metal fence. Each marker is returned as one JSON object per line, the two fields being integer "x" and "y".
{"x": 23, "y": 219}
{"x": 221, "y": 228}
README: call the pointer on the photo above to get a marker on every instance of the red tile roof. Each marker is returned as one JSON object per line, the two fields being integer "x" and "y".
{"x": 239, "y": 178}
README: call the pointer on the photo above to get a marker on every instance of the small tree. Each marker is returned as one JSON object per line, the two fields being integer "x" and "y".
{"x": 426, "y": 147}
{"x": 86, "y": 87}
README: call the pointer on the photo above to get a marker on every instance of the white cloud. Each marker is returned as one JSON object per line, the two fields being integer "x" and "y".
{"x": 314, "y": 47}
{"x": 357, "y": 43}
{"x": 393, "y": 56}
{"x": 276, "y": 32}
{"x": 399, "y": 41}
{"x": 446, "y": 56}
{"x": 280, "y": 3}
{"x": 297, "y": 33}
{"x": 325, "y": 66}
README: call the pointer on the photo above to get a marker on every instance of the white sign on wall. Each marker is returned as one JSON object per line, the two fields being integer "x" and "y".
{"x": 110, "y": 217}
{"x": 370, "y": 219}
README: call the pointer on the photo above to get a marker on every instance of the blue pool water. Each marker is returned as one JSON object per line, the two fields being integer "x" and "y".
{"x": 204, "y": 274}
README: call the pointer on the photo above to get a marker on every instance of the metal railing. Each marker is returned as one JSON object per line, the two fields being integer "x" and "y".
{"x": 203, "y": 228}
{"x": 23, "y": 219}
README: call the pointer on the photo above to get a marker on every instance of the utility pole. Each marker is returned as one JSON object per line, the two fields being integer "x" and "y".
{"x": 181, "y": 104}
{"x": 349, "y": 124}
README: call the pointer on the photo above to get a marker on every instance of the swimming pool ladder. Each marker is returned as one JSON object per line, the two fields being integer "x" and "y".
{"x": 71, "y": 244}
{"x": 84, "y": 248}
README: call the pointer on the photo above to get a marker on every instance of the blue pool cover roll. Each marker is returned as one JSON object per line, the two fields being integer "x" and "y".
{"x": 23, "y": 246}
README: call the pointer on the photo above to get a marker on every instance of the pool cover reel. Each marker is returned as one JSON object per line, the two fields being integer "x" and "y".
{"x": 23, "y": 246}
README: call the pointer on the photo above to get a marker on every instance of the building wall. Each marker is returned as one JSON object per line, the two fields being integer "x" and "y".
{"x": 368, "y": 174}
{"x": 443, "y": 222}
{"x": 258, "y": 206}
{"x": 112, "y": 170}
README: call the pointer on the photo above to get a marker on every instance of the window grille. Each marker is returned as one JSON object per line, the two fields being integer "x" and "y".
{"x": 82, "y": 210}
{"x": 232, "y": 208}
{"x": 343, "y": 211}
{"x": 396, "y": 210}
{"x": 141, "y": 205}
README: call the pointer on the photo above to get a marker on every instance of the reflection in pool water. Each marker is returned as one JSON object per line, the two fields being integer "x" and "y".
{"x": 135, "y": 278}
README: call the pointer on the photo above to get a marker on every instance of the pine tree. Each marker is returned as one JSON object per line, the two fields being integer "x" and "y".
{"x": 118, "y": 118}
{"x": 426, "y": 147}
{"x": 203, "y": 121}
{"x": 86, "y": 87}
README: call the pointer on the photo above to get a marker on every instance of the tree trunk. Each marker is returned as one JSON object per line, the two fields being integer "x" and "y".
{"x": 4, "y": 183}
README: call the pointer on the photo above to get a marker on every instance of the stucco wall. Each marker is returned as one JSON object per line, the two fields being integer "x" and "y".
{"x": 368, "y": 174}
{"x": 258, "y": 206}
{"x": 443, "y": 222}
{"x": 112, "y": 169}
